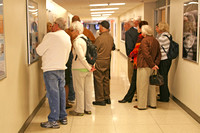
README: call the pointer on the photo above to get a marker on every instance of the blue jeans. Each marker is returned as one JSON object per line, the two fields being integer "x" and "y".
{"x": 55, "y": 82}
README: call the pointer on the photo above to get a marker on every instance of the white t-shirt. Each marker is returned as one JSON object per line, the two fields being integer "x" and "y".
{"x": 54, "y": 49}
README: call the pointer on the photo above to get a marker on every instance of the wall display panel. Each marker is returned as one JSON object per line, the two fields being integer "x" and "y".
{"x": 2, "y": 44}
{"x": 190, "y": 31}
{"x": 32, "y": 30}
{"x": 122, "y": 31}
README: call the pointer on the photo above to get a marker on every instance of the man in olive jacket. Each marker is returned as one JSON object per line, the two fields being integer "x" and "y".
{"x": 104, "y": 44}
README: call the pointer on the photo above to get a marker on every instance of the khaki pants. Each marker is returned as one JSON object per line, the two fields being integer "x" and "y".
{"x": 130, "y": 70}
{"x": 83, "y": 87}
{"x": 146, "y": 93}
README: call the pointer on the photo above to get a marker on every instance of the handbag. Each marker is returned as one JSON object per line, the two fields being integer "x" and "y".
{"x": 156, "y": 79}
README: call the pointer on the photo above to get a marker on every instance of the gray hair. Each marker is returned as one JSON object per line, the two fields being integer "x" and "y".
{"x": 147, "y": 30}
{"x": 131, "y": 22}
{"x": 61, "y": 23}
{"x": 76, "y": 25}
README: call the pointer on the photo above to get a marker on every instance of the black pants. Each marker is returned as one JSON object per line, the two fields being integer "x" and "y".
{"x": 164, "y": 67}
{"x": 132, "y": 88}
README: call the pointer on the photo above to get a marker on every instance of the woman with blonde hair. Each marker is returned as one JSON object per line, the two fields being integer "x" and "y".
{"x": 148, "y": 60}
{"x": 163, "y": 33}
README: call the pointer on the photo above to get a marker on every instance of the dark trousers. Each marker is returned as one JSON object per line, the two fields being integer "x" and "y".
{"x": 164, "y": 67}
{"x": 132, "y": 88}
{"x": 101, "y": 80}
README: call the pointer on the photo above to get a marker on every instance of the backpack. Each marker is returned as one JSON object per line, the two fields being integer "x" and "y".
{"x": 173, "y": 51}
{"x": 91, "y": 53}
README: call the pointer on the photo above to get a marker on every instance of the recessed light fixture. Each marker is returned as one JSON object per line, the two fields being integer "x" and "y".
{"x": 108, "y": 4}
{"x": 115, "y": 4}
{"x": 98, "y": 4}
{"x": 96, "y": 15}
{"x": 101, "y": 12}
{"x": 103, "y": 9}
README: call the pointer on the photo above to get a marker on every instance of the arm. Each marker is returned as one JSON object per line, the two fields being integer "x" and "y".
{"x": 78, "y": 46}
{"x": 43, "y": 46}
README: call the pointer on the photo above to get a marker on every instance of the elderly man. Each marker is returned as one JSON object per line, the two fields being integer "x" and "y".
{"x": 130, "y": 40}
{"x": 54, "y": 49}
{"x": 104, "y": 45}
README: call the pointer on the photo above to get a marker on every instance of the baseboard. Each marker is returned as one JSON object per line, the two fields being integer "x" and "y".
{"x": 30, "y": 118}
{"x": 188, "y": 110}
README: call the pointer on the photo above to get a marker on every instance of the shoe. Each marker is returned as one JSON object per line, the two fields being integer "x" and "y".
{"x": 139, "y": 108}
{"x": 88, "y": 112}
{"x": 68, "y": 106}
{"x": 101, "y": 103}
{"x": 71, "y": 101}
{"x": 124, "y": 101}
{"x": 108, "y": 101}
{"x": 74, "y": 113}
{"x": 50, "y": 124}
{"x": 63, "y": 121}
{"x": 152, "y": 107}
{"x": 160, "y": 100}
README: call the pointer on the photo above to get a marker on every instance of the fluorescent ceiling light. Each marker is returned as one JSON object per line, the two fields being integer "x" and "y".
{"x": 98, "y": 4}
{"x": 103, "y": 9}
{"x": 1, "y": 4}
{"x": 106, "y": 14}
{"x": 99, "y": 18}
{"x": 31, "y": 6}
{"x": 101, "y": 12}
{"x": 96, "y": 15}
{"x": 115, "y": 4}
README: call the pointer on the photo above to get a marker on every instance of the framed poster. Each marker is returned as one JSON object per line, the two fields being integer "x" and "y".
{"x": 2, "y": 44}
{"x": 32, "y": 30}
{"x": 190, "y": 31}
{"x": 122, "y": 31}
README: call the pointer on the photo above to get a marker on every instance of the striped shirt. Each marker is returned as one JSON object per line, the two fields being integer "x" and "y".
{"x": 165, "y": 43}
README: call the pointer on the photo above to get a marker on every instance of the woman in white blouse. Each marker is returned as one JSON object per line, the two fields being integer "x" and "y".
{"x": 163, "y": 31}
{"x": 82, "y": 72}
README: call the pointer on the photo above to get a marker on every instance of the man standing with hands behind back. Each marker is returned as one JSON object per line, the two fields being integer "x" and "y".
{"x": 54, "y": 49}
{"x": 104, "y": 44}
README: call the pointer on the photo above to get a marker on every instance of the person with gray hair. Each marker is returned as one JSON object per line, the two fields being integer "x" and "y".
{"x": 82, "y": 72}
{"x": 54, "y": 49}
{"x": 163, "y": 33}
{"x": 148, "y": 60}
{"x": 130, "y": 40}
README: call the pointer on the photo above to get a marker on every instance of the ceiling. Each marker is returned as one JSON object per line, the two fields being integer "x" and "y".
{"x": 82, "y": 8}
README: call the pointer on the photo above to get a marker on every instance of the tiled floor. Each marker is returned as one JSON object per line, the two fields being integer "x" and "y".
{"x": 122, "y": 117}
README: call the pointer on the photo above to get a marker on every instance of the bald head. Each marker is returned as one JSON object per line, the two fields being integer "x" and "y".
{"x": 75, "y": 18}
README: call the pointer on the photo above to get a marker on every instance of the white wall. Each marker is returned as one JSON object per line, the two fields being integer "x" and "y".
{"x": 184, "y": 75}
{"x": 23, "y": 88}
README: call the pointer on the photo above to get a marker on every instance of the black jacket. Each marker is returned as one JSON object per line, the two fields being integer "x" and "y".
{"x": 130, "y": 40}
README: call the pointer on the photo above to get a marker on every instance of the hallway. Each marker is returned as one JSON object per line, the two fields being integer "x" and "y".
{"x": 121, "y": 118}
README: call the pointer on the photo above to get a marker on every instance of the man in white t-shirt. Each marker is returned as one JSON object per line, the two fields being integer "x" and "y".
{"x": 54, "y": 49}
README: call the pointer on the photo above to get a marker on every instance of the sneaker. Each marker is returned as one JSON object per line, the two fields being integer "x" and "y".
{"x": 74, "y": 113}
{"x": 88, "y": 112}
{"x": 63, "y": 121}
{"x": 68, "y": 106}
{"x": 71, "y": 101}
{"x": 49, "y": 124}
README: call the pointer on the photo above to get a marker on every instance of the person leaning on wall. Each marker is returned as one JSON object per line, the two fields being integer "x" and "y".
{"x": 147, "y": 61}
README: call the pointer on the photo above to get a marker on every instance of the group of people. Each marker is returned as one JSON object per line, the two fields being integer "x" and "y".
{"x": 63, "y": 56}
{"x": 145, "y": 55}
{"x": 67, "y": 73}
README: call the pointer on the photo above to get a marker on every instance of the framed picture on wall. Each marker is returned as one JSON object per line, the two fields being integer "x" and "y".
{"x": 190, "y": 31}
{"x": 32, "y": 30}
{"x": 122, "y": 31}
{"x": 2, "y": 44}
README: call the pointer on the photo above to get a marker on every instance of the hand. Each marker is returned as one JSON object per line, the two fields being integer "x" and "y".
{"x": 155, "y": 67}
{"x": 93, "y": 69}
